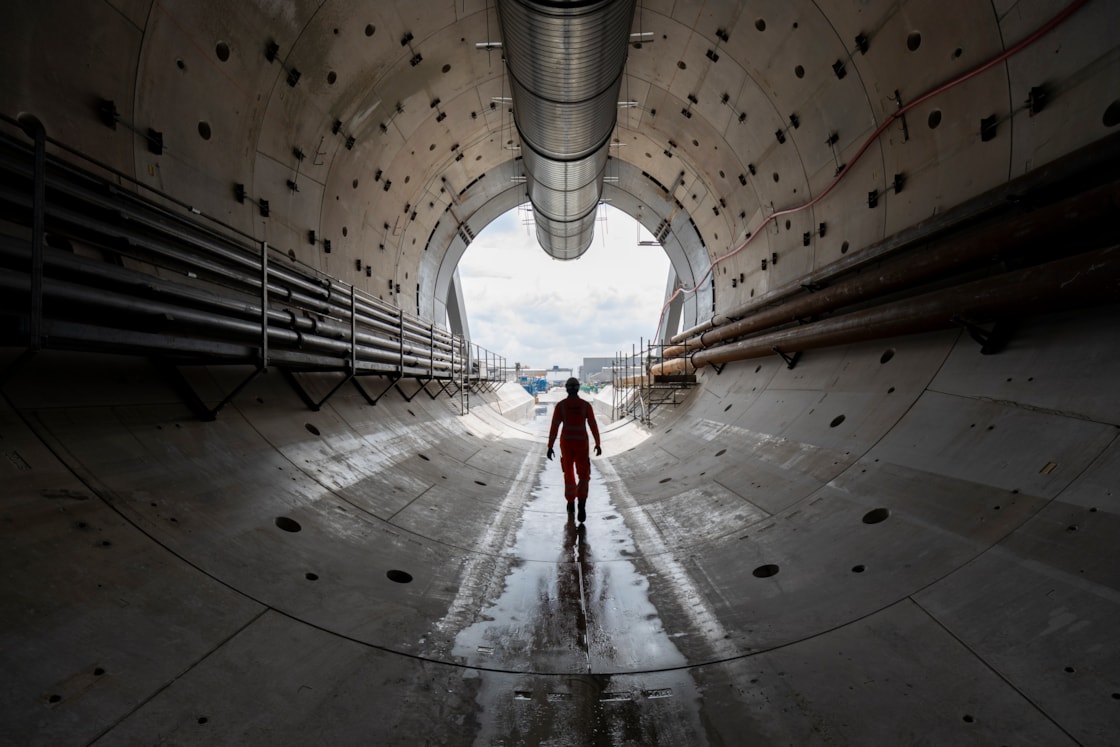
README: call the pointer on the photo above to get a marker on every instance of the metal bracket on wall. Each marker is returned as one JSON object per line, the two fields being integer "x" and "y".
{"x": 337, "y": 386}
{"x": 191, "y": 398}
{"x": 991, "y": 341}
{"x": 298, "y": 389}
{"x": 374, "y": 400}
{"x": 791, "y": 360}
{"x": 407, "y": 397}
{"x": 719, "y": 368}
{"x": 442, "y": 389}
{"x": 16, "y": 365}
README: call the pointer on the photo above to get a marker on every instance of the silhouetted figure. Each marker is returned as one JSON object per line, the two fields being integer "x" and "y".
{"x": 575, "y": 414}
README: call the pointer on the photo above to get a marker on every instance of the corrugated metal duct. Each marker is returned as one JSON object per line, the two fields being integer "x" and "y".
{"x": 565, "y": 63}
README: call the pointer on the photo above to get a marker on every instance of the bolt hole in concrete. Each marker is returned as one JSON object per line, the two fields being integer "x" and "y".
{"x": 222, "y": 50}
{"x": 858, "y": 568}
{"x": 934, "y": 119}
{"x": 424, "y": 457}
{"x": 98, "y": 672}
{"x": 204, "y": 130}
{"x": 311, "y": 576}
{"x": 913, "y": 41}
{"x": 760, "y": 24}
{"x": 721, "y": 452}
{"x": 876, "y": 515}
{"x": 54, "y": 698}
{"x": 836, "y": 421}
{"x": 667, "y": 479}
{"x": 400, "y": 577}
{"x": 968, "y": 719}
{"x": 1112, "y": 114}
{"x": 480, "y": 482}
{"x": 370, "y": 28}
{"x": 727, "y": 408}
{"x": 312, "y": 429}
{"x": 766, "y": 571}
{"x": 887, "y": 355}
{"x": 288, "y": 525}
{"x": 203, "y": 719}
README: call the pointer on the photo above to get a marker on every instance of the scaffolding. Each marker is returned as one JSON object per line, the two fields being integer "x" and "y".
{"x": 636, "y": 392}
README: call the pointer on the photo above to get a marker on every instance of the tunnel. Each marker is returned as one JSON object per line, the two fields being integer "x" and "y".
{"x": 261, "y": 487}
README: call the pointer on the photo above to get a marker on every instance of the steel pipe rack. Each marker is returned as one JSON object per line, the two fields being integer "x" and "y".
{"x": 190, "y": 291}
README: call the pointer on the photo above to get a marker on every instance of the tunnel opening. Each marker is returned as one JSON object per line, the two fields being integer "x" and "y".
{"x": 543, "y": 312}
{"x": 942, "y": 514}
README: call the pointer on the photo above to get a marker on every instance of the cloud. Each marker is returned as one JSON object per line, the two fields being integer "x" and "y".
{"x": 538, "y": 311}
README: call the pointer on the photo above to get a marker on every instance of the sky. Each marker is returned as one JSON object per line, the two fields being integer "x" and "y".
{"x": 543, "y": 312}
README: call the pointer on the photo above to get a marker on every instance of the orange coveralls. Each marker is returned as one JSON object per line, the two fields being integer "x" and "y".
{"x": 574, "y": 412}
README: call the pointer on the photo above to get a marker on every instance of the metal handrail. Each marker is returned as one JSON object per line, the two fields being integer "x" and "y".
{"x": 207, "y": 292}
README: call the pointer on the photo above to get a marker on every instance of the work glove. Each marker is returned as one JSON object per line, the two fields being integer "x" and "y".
{"x": 551, "y": 454}
{"x": 598, "y": 450}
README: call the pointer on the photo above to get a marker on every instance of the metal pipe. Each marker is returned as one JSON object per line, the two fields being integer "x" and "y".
{"x": 175, "y": 315}
{"x": 1093, "y": 210}
{"x": 1092, "y": 164}
{"x": 414, "y": 330}
{"x": 352, "y": 331}
{"x": 264, "y": 305}
{"x": 38, "y": 235}
{"x": 1081, "y": 280}
{"x": 135, "y": 283}
{"x": 327, "y": 296}
{"x": 565, "y": 64}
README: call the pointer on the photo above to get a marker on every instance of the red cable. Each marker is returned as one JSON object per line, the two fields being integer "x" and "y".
{"x": 1003, "y": 57}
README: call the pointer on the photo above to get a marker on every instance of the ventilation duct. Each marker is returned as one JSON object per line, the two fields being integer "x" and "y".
{"x": 565, "y": 63}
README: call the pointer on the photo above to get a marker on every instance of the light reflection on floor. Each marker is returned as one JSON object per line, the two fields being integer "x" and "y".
{"x": 572, "y": 600}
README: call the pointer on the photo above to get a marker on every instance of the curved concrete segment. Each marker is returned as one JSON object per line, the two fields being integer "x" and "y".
{"x": 905, "y": 528}
{"x": 895, "y": 541}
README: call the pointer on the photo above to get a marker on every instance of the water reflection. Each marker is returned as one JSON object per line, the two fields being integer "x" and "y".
{"x": 570, "y": 626}
{"x": 560, "y": 609}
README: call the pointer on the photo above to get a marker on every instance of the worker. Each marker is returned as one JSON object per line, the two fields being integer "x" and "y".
{"x": 575, "y": 414}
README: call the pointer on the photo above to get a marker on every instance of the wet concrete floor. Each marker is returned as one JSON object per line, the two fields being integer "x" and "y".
{"x": 748, "y": 573}
{"x": 575, "y": 610}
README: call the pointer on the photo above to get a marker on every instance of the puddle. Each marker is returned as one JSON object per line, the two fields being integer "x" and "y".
{"x": 562, "y": 608}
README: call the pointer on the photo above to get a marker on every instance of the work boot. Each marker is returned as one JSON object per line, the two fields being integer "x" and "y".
{"x": 582, "y": 516}
{"x": 571, "y": 508}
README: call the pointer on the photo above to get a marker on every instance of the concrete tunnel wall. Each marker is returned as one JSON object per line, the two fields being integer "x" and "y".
{"x": 895, "y": 542}
{"x": 900, "y": 541}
